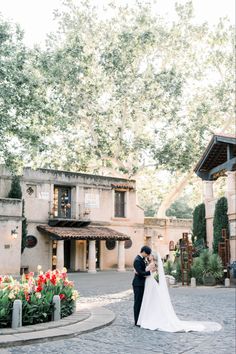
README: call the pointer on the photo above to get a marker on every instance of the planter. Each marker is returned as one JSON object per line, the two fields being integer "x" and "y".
{"x": 209, "y": 280}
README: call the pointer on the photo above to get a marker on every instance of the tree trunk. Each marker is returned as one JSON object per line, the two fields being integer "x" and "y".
{"x": 173, "y": 194}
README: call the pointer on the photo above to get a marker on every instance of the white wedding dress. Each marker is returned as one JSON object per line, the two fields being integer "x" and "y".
{"x": 157, "y": 312}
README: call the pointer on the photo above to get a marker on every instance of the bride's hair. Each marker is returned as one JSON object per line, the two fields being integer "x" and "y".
{"x": 154, "y": 254}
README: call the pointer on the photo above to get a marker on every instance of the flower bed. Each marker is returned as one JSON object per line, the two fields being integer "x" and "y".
{"x": 36, "y": 294}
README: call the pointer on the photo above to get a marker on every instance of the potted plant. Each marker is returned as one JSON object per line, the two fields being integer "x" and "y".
{"x": 212, "y": 268}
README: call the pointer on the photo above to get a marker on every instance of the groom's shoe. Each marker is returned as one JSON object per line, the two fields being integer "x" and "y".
{"x": 136, "y": 325}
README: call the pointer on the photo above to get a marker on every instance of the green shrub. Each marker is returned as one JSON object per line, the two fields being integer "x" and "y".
{"x": 177, "y": 271}
{"x": 220, "y": 221}
{"x": 197, "y": 270}
{"x": 216, "y": 266}
{"x": 207, "y": 264}
{"x": 168, "y": 267}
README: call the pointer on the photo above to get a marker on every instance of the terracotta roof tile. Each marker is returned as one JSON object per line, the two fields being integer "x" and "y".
{"x": 82, "y": 233}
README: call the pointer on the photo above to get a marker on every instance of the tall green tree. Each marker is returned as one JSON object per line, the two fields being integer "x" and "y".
{"x": 199, "y": 222}
{"x": 220, "y": 221}
{"x": 23, "y": 100}
{"x": 15, "y": 191}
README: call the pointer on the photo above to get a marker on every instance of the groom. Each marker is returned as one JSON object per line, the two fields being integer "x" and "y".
{"x": 139, "y": 280}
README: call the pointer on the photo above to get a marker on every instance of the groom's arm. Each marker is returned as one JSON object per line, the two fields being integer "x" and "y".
{"x": 139, "y": 270}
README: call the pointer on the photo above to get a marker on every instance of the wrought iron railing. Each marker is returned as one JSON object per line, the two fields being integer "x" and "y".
{"x": 70, "y": 211}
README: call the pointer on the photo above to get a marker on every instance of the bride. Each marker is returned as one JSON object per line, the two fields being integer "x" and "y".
{"x": 157, "y": 312}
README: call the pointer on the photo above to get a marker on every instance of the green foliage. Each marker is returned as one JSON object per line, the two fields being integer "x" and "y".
{"x": 207, "y": 264}
{"x": 220, "y": 222}
{"x": 5, "y": 310}
{"x": 110, "y": 96}
{"x": 180, "y": 210}
{"x": 177, "y": 274}
{"x": 24, "y": 106}
{"x": 15, "y": 191}
{"x": 199, "y": 222}
{"x": 36, "y": 310}
{"x": 197, "y": 270}
{"x": 168, "y": 267}
{"x": 216, "y": 266}
{"x": 118, "y": 89}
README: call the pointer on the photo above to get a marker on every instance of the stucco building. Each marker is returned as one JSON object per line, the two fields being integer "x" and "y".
{"x": 76, "y": 220}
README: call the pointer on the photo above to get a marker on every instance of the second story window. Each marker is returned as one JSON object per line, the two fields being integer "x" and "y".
{"x": 119, "y": 204}
{"x": 62, "y": 202}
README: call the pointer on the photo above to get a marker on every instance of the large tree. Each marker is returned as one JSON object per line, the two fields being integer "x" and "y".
{"x": 133, "y": 91}
{"x": 23, "y": 101}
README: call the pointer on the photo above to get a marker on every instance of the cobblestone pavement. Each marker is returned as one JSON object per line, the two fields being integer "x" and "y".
{"x": 113, "y": 290}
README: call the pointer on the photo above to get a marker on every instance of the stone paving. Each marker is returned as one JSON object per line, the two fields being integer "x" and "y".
{"x": 113, "y": 291}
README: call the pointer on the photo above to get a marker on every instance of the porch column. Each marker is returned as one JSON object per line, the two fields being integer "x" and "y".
{"x": 92, "y": 257}
{"x": 231, "y": 198}
{"x": 60, "y": 254}
{"x": 121, "y": 256}
{"x": 208, "y": 198}
{"x": 208, "y": 190}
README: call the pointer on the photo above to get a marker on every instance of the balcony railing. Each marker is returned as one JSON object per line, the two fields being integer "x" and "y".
{"x": 73, "y": 214}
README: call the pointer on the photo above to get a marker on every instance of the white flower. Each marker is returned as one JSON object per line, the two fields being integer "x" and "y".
{"x": 75, "y": 295}
{"x": 38, "y": 295}
{"x": 11, "y": 295}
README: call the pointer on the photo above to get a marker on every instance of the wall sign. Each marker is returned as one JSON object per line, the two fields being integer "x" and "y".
{"x": 91, "y": 200}
{"x": 31, "y": 241}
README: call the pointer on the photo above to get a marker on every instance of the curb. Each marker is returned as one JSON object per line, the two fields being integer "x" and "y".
{"x": 83, "y": 321}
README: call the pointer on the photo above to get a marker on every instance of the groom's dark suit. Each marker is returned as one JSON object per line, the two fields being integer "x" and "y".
{"x": 138, "y": 284}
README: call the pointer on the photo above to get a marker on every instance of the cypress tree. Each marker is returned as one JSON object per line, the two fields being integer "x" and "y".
{"x": 15, "y": 191}
{"x": 199, "y": 222}
{"x": 220, "y": 222}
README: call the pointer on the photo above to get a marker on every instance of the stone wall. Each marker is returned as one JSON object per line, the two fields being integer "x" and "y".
{"x": 160, "y": 231}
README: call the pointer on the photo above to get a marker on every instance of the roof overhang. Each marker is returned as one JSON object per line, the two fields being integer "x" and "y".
{"x": 82, "y": 233}
{"x": 219, "y": 157}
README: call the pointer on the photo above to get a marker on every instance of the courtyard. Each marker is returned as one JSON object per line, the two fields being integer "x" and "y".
{"x": 112, "y": 290}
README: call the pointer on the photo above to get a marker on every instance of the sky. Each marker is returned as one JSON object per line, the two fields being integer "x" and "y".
{"x": 36, "y": 16}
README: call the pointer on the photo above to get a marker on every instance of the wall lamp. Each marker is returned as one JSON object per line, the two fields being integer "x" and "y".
{"x": 14, "y": 233}
{"x": 160, "y": 237}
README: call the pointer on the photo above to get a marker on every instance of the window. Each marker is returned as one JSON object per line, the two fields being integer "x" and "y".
{"x": 62, "y": 202}
{"x": 119, "y": 204}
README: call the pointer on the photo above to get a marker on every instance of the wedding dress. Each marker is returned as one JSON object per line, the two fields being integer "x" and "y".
{"x": 157, "y": 312}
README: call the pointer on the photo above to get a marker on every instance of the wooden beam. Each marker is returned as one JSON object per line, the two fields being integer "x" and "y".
{"x": 228, "y": 166}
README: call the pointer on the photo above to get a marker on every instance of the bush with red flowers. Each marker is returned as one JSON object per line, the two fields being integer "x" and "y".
{"x": 36, "y": 294}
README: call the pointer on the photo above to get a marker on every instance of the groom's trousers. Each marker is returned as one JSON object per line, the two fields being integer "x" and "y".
{"x": 138, "y": 297}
